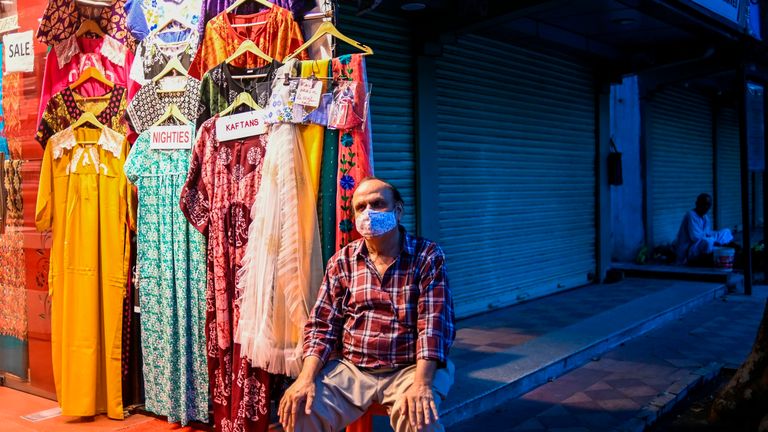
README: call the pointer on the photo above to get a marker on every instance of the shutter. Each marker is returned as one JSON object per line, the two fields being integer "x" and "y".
{"x": 758, "y": 201}
{"x": 516, "y": 167}
{"x": 728, "y": 202}
{"x": 680, "y": 168}
{"x": 391, "y": 73}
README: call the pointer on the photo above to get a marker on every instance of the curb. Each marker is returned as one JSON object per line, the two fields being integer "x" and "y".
{"x": 666, "y": 401}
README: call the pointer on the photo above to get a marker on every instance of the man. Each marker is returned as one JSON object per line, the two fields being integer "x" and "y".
{"x": 386, "y": 308}
{"x": 696, "y": 240}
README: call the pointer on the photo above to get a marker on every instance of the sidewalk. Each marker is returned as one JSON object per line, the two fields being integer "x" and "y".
{"x": 618, "y": 390}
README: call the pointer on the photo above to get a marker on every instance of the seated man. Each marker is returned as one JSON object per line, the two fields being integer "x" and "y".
{"x": 696, "y": 240}
{"x": 386, "y": 308}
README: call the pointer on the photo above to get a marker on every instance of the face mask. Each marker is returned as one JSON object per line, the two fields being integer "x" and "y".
{"x": 372, "y": 223}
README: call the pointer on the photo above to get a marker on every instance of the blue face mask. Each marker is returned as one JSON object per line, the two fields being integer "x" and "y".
{"x": 372, "y": 223}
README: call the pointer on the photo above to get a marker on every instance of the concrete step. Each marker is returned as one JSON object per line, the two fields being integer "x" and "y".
{"x": 501, "y": 376}
{"x": 732, "y": 279}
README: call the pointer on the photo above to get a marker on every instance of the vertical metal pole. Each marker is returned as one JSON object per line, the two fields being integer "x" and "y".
{"x": 765, "y": 184}
{"x": 745, "y": 219}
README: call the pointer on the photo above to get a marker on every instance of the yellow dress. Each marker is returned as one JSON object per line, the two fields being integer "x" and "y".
{"x": 312, "y": 135}
{"x": 86, "y": 201}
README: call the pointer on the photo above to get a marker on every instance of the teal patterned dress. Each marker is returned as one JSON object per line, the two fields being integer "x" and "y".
{"x": 171, "y": 281}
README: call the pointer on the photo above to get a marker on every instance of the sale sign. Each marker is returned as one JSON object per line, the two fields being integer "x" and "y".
{"x": 18, "y": 52}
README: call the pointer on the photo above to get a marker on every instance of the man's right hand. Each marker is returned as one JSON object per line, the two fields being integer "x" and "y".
{"x": 301, "y": 390}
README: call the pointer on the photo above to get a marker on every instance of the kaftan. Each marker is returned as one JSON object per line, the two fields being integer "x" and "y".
{"x": 144, "y": 16}
{"x": 224, "y": 177}
{"x": 150, "y": 104}
{"x": 171, "y": 283}
{"x": 278, "y": 37}
{"x": 85, "y": 200}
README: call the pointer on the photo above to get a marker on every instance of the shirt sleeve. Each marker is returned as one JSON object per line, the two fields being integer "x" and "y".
{"x": 325, "y": 322}
{"x": 435, "y": 324}
{"x": 195, "y": 201}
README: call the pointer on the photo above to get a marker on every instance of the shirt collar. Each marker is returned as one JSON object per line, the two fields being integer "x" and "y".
{"x": 409, "y": 244}
{"x": 110, "y": 48}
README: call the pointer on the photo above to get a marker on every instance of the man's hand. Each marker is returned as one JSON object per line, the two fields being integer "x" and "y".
{"x": 302, "y": 389}
{"x": 418, "y": 406}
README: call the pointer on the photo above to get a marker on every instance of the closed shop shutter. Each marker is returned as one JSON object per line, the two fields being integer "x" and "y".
{"x": 728, "y": 202}
{"x": 516, "y": 166}
{"x": 391, "y": 73}
{"x": 679, "y": 137}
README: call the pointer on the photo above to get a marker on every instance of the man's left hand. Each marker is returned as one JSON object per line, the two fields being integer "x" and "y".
{"x": 418, "y": 405}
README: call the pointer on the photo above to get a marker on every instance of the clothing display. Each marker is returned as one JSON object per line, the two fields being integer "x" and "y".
{"x": 149, "y": 104}
{"x": 154, "y": 52}
{"x": 12, "y": 112}
{"x": 218, "y": 88}
{"x": 13, "y": 289}
{"x": 313, "y": 135}
{"x": 223, "y": 180}
{"x": 277, "y": 35}
{"x": 62, "y": 18}
{"x": 171, "y": 283}
{"x": 144, "y": 16}
{"x": 282, "y": 266}
{"x": 352, "y": 119}
{"x": 211, "y": 8}
{"x": 85, "y": 200}
{"x": 69, "y": 58}
{"x": 65, "y": 107}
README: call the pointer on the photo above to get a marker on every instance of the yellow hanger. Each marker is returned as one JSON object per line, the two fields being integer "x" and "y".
{"x": 243, "y": 98}
{"x": 327, "y": 28}
{"x": 172, "y": 111}
{"x": 87, "y": 117}
{"x": 91, "y": 73}
{"x": 173, "y": 65}
{"x": 236, "y": 4}
{"x": 251, "y": 47}
{"x": 89, "y": 26}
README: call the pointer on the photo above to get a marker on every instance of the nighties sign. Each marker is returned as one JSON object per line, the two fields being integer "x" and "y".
{"x": 18, "y": 52}
{"x": 238, "y": 126}
{"x": 171, "y": 137}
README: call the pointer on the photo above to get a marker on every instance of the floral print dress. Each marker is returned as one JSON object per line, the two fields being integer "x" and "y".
{"x": 223, "y": 180}
{"x": 171, "y": 282}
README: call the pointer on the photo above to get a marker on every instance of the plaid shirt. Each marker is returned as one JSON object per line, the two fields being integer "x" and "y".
{"x": 388, "y": 321}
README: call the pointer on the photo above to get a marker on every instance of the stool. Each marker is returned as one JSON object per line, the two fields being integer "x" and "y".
{"x": 365, "y": 423}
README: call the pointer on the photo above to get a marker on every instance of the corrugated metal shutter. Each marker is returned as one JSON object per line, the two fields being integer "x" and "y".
{"x": 391, "y": 73}
{"x": 680, "y": 168}
{"x": 516, "y": 165}
{"x": 728, "y": 202}
{"x": 759, "y": 200}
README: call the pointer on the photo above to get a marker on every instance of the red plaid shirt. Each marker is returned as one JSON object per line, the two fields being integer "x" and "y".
{"x": 388, "y": 321}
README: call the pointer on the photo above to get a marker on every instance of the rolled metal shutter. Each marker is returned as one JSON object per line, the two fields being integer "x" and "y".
{"x": 391, "y": 73}
{"x": 516, "y": 166}
{"x": 679, "y": 137}
{"x": 728, "y": 202}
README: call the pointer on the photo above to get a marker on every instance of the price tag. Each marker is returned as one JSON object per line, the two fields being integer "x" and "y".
{"x": 309, "y": 92}
{"x": 171, "y": 137}
{"x": 241, "y": 125}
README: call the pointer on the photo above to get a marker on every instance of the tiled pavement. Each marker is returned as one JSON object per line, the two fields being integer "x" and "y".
{"x": 610, "y": 390}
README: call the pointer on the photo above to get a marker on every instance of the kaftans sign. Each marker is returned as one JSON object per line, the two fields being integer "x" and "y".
{"x": 171, "y": 137}
{"x": 238, "y": 126}
{"x": 18, "y": 52}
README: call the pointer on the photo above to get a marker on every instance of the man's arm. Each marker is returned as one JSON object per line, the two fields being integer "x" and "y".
{"x": 303, "y": 388}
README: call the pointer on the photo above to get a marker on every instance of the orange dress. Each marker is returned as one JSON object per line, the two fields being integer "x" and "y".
{"x": 278, "y": 36}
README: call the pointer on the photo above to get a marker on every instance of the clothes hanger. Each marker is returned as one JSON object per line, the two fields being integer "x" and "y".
{"x": 237, "y": 4}
{"x": 87, "y": 117}
{"x": 91, "y": 73}
{"x": 243, "y": 98}
{"x": 172, "y": 111}
{"x": 172, "y": 20}
{"x": 327, "y": 28}
{"x": 174, "y": 66}
{"x": 89, "y": 26}
{"x": 251, "y": 47}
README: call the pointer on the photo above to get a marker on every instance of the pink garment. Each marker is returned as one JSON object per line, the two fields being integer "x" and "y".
{"x": 70, "y": 57}
{"x": 355, "y": 141}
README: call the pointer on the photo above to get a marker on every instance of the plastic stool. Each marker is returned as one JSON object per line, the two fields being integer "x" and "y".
{"x": 365, "y": 423}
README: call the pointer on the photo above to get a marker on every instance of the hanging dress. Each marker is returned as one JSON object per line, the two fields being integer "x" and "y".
{"x": 144, "y": 16}
{"x": 171, "y": 282}
{"x": 62, "y": 18}
{"x": 282, "y": 267}
{"x": 223, "y": 180}
{"x": 154, "y": 52}
{"x": 85, "y": 200}
{"x": 149, "y": 104}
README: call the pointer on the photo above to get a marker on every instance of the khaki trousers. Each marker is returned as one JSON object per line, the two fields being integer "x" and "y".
{"x": 343, "y": 393}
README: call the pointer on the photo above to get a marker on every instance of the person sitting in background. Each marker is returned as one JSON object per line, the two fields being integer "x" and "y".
{"x": 696, "y": 240}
